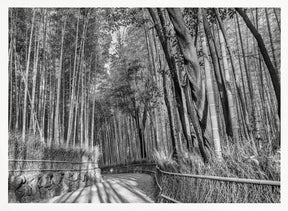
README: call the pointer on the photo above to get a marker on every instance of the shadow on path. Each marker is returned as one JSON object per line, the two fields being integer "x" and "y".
{"x": 122, "y": 188}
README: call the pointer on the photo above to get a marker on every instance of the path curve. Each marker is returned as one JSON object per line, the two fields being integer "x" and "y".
{"x": 115, "y": 188}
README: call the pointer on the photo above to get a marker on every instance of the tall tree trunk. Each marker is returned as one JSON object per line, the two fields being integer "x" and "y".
{"x": 17, "y": 81}
{"x": 74, "y": 126}
{"x": 270, "y": 38}
{"x": 117, "y": 138}
{"x": 241, "y": 96}
{"x": 245, "y": 100}
{"x": 219, "y": 78}
{"x": 277, "y": 20}
{"x": 259, "y": 59}
{"x": 72, "y": 100}
{"x": 245, "y": 67}
{"x": 51, "y": 110}
{"x": 35, "y": 71}
{"x": 43, "y": 91}
{"x": 26, "y": 79}
{"x": 167, "y": 103}
{"x": 17, "y": 78}
{"x": 59, "y": 74}
{"x": 229, "y": 83}
{"x": 210, "y": 91}
{"x": 194, "y": 74}
{"x": 10, "y": 69}
{"x": 92, "y": 124}
{"x": 172, "y": 69}
{"x": 82, "y": 76}
{"x": 261, "y": 74}
{"x": 164, "y": 143}
{"x": 259, "y": 101}
{"x": 140, "y": 132}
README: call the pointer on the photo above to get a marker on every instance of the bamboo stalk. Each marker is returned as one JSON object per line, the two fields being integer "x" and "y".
{"x": 210, "y": 91}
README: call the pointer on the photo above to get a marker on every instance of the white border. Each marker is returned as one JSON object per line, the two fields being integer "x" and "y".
{"x": 130, "y": 3}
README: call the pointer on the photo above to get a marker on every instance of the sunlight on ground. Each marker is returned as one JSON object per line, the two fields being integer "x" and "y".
{"x": 118, "y": 188}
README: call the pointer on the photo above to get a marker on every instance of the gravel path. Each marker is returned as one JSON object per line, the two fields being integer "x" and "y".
{"x": 115, "y": 188}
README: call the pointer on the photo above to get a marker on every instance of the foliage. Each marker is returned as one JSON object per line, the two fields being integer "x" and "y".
{"x": 119, "y": 17}
{"x": 131, "y": 88}
{"x": 237, "y": 163}
{"x": 34, "y": 149}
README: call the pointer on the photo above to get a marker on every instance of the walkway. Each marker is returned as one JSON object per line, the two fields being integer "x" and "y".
{"x": 116, "y": 188}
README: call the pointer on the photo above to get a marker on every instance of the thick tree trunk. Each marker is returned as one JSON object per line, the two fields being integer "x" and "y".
{"x": 167, "y": 103}
{"x": 164, "y": 138}
{"x": 194, "y": 74}
{"x": 219, "y": 78}
{"x": 210, "y": 91}
{"x": 173, "y": 70}
{"x": 229, "y": 85}
{"x": 242, "y": 96}
{"x": 174, "y": 78}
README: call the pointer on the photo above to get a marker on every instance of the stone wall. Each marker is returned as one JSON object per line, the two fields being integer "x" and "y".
{"x": 35, "y": 186}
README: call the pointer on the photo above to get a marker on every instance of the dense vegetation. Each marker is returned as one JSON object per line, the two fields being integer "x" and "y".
{"x": 196, "y": 89}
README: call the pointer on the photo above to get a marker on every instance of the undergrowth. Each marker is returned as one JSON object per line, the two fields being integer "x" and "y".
{"x": 35, "y": 149}
{"x": 238, "y": 162}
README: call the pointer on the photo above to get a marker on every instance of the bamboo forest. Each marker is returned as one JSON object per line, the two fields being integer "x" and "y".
{"x": 154, "y": 105}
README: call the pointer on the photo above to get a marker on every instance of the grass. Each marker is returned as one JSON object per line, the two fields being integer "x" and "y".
{"x": 237, "y": 162}
{"x": 35, "y": 149}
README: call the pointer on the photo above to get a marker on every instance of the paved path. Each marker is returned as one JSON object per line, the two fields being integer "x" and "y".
{"x": 116, "y": 188}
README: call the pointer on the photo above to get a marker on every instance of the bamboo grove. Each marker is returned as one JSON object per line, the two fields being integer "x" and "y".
{"x": 138, "y": 80}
